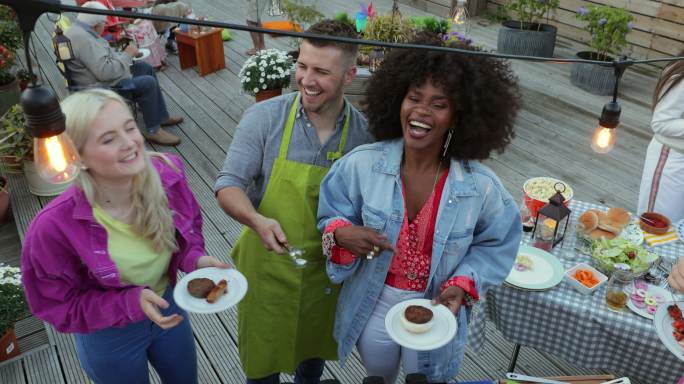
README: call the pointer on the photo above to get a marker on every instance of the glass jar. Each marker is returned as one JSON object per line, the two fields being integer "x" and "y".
{"x": 616, "y": 297}
{"x": 526, "y": 218}
{"x": 543, "y": 236}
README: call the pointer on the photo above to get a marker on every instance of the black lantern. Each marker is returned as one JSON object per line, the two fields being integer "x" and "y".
{"x": 375, "y": 59}
{"x": 552, "y": 221}
{"x": 62, "y": 46}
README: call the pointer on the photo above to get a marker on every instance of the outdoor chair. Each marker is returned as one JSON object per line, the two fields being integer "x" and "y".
{"x": 124, "y": 90}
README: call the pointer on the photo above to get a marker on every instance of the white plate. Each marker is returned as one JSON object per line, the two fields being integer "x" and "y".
{"x": 443, "y": 329}
{"x": 633, "y": 233}
{"x": 546, "y": 271}
{"x": 145, "y": 54}
{"x": 653, "y": 290}
{"x": 679, "y": 228}
{"x": 663, "y": 326}
{"x": 237, "y": 288}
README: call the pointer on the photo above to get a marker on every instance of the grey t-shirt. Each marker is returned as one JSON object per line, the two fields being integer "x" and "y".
{"x": 257, "y": 142}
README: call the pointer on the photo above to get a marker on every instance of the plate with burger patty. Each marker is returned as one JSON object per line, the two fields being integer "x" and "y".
{"x": 417, "y": 324}
{"x": 210, "y": 290}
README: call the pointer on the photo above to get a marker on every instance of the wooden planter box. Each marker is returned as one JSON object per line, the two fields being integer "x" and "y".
{"x": 9, "y": 347}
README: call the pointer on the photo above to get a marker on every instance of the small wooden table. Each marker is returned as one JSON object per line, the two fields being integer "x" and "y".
{"x": 204, "y": 49}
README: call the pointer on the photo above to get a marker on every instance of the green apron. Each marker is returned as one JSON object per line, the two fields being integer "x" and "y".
{"x": 288, "y": 314}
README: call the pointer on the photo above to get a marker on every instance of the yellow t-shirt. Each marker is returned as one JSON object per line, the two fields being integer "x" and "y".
{"x": 135, "y": 258}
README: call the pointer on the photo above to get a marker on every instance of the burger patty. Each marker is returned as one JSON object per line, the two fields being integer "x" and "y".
{"x": 201, "y": 287}
{"x": 418, "y": 314}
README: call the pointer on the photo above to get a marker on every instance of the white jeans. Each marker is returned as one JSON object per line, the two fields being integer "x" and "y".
{"x": 379, "y": 353}
{"x": 662, "y": 183}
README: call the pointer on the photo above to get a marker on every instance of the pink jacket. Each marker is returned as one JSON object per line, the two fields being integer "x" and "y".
{"x": 69, "y": 279}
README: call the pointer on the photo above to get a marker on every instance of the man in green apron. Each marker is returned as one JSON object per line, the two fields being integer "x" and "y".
{"x": 270, "y": 180}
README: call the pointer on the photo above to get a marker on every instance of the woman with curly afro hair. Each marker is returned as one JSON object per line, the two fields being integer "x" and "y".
{"x": 416, "y": 216}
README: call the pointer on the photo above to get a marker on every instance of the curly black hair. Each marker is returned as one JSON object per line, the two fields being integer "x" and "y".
{"x": 484, "y": 93}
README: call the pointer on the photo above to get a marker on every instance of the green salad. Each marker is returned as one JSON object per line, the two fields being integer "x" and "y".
{"x": 618, "y": 250}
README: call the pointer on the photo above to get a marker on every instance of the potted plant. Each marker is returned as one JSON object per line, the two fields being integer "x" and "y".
{"x": 4, "y": 199}
{"x": 389, "y": 28}
{"x": 24, "y": 78}
{"x": 10, "y": 42}
{"x": 528, "y": 35}
{"x": 16, "y": 153}
{"x": 431, "y": 24}
{"x": 265, "y": 74}
{"x": 12, "y": 308}
{"x": 608, "y": 28}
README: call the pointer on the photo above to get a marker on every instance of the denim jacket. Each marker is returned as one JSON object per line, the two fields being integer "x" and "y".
{"x": 69, "y": 278}
{"x": 477, "y": 234}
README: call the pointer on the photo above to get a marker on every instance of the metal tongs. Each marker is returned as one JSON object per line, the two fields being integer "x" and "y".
{"x": 532, "y": 379}
{"x": 295, "y": 255}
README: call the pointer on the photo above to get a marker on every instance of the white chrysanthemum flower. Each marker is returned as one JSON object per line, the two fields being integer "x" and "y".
{"x": 256, "y": 90}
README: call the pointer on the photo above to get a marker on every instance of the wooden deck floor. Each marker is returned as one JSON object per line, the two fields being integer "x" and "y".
{"x": 553, "y": 133}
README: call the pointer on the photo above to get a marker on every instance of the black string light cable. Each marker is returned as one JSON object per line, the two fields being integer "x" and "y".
{"x": 28, "y": 12}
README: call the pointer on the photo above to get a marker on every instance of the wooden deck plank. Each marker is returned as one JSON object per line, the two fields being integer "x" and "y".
{"x": 12, "y": 373}
{"x": 553, "y": 130}
{"x": 9, "y": 238}
{"x": 42, "y": 367}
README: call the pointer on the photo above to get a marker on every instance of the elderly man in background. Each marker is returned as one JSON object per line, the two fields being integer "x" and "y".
{"x": 95, "y": 63}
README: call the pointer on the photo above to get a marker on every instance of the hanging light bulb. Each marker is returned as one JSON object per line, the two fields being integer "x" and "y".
{"x": 459, "y": 17}
{"x": 604, "y": 135}
{"x": 56, "y": 158}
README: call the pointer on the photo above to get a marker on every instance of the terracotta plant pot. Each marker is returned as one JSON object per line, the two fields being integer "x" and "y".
{"x": 4, "y": 199}
{"x": 267, "y": 94}
{"x": 9, "y": 347}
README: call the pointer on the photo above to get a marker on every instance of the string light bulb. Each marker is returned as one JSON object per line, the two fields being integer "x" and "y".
{"x": 459, "y": 17}
{"x": 54, "y": 154}
{"x": 603, "y": 139}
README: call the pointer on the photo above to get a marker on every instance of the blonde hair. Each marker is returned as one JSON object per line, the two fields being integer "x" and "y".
{"x": 152, "y": 217}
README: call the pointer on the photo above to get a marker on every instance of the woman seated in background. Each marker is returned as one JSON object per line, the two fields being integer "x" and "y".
{"x": 101, "y": 259}
{"x": 416, "y": 215}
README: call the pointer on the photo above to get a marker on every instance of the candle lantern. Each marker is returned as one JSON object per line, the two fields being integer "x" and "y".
{"x": 552, "y": 221}
{"x": 375, "y": 59}
{"x": 62, "y": 46}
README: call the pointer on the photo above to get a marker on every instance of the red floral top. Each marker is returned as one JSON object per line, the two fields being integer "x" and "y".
{"x": 410, "y": 267}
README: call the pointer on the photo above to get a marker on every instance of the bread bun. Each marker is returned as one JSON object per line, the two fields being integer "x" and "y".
{"x": 610, "y": 226}
{"x": 601, "y": 216}
{"x": 417, "y": 319}
{"x": 588, "y": 221}
{"x": 601, "y": 234}
{"x": 619, "y": 216}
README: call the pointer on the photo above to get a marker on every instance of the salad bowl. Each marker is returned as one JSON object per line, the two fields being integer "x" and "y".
{"x": 605, "y": 254}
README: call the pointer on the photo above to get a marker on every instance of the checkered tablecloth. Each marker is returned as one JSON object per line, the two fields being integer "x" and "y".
{"x": 580, "y": 328}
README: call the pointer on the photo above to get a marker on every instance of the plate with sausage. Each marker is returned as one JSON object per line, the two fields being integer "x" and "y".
{"x": 210, "y": 290}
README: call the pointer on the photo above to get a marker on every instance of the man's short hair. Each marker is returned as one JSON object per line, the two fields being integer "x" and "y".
{"x": 91, "y": 19}
{"x": 337, "y": 28}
